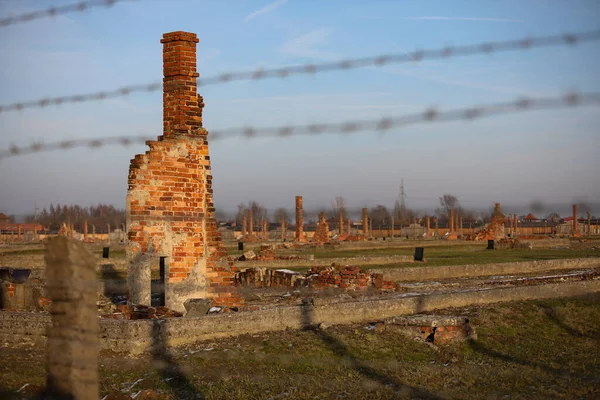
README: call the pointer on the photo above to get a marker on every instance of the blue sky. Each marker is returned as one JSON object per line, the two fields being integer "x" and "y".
{"x": 547, "y": 155}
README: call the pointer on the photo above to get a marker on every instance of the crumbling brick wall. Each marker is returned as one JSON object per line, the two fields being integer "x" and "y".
{"x": 495, "y": 229}
{"x": 170, "y": 209}
{"x": 322, "y": 233}
{"x": 335, "y": 276}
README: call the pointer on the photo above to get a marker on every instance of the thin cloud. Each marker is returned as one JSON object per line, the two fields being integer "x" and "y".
{"x": 302, "y": 97}
{"x": 480, "y": 19}
{"x": 265, "y": 10}
{"x": 306, "y": 45}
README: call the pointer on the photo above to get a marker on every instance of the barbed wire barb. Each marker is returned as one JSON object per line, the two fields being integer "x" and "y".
{"x": 382, "y": 125}
{"x": 54, "y": 11}
{"x": 312, "y": 69}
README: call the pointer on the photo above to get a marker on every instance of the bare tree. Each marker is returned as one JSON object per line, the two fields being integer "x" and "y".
{"x": 241, "y": 213}
{"x": 584, "y": 207}
{"x": 553, "y": 216}
{"x": 259, "y": 212}
{"x": 281, "y": 214}
{"x": 337, "y": 206}
{"x": 448, "y": 202}
{"x": 380, "y": 215}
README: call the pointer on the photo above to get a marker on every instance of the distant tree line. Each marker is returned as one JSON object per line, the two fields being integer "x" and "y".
{"x": 99, "y": 215}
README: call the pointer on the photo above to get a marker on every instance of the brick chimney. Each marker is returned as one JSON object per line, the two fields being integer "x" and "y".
{"x": 182, "y": 107}
{"x": 170, "y": 210}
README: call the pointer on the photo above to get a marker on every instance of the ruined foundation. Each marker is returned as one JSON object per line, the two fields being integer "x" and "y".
{"x": 170, "y": 196}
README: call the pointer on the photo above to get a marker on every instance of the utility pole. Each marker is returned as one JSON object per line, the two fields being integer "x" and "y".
{"x": 402, "y": 195}
{"x": 35, "y": 209}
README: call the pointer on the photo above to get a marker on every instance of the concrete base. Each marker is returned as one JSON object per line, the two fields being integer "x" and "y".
{"x": 418, "y": 274}
{"x": 137, "y": 336}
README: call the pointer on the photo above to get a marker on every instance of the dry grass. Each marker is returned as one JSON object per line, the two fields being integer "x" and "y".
{"x": 536, "y": 349}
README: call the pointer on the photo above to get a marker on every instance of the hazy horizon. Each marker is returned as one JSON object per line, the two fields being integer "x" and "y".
{"x": 311, "y": 210}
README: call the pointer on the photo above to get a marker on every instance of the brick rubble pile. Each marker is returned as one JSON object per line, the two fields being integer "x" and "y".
{"x": 335, "y": 276}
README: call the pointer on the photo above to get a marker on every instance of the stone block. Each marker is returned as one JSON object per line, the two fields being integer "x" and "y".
{"x": 197, "y": 307}
{"x": 248, "y": 255}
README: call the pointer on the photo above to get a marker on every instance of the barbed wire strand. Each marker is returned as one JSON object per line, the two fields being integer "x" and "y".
{"x": 54, "y": 11}
{"x": 382, "y": 125}
{"x": 377, "y": 61}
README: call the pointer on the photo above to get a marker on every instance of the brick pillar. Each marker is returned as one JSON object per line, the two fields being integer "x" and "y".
{"x": 341, "y": 222}
{"x": 250, "y": 223}
{"x": 265, "y": 230}
{"x": 244, "y": 225}
{"x": 19, "y": 232}
{"x": 456, "y": 225}
{"x": 460, "y": 224}
{"x": 299, "y": 220}
{"x": 575, "y": 222}
{"x": 282, "y": 228}
{"x": 170, "y": 209}
{"x": 85, "y": 230}
{"x": 516, "y": 222}
{"x": 428, "y": 226}
{"x": 452, "y": 224}
{"x": 365, "y": 222}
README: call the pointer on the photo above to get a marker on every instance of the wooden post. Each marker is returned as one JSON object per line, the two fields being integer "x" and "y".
{"x": 72, "y": 347}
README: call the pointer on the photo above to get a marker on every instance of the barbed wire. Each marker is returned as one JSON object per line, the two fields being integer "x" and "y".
{"x": 377, "y": 61}
{"x": 382, "y": 125}
{"x": 54, "y": 11}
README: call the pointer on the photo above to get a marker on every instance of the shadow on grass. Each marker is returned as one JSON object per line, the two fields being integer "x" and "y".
{"x": 167, "y": 367}
{"x": 557, "y": 372}
{"x": 552, "y": 315}
{"x": 342, "y": 351}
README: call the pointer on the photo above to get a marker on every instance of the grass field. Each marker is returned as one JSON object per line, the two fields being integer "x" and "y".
{"x": 456, "y": 254}
{"x": 525, "y": 350}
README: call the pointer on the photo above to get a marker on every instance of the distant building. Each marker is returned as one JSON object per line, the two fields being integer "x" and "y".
{"x": 4, "y": 220}
{"x": 530, "y": 218}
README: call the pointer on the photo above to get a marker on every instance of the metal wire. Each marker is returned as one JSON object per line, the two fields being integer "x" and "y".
{"x": 381, "y": 125}
{"x": 54, "y": 11}
{"x": 377, "y": 61}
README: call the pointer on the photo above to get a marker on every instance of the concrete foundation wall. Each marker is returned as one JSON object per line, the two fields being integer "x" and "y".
{"x": 461, "y": 271}
{"x": 135, "y": 337}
